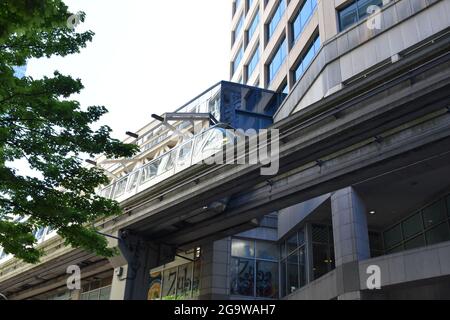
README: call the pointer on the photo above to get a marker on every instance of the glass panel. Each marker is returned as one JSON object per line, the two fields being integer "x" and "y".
{"x": 105, "y": 293}
{"x": 438, "y": 234}
{"x": 149, "y": 171}
{"x": 396, "y": 249}
{"x": 277, "y": 60}
{"x": 292, "y": 243}
{"x": 283, "y": 279}
{"x": 196, "y": 278}
{"x": 448, "y": 206}
{"x": 276, "y": 18}
{"x": 283, "y": 248}
{"x": 94, "y": 295}
{"x": 267, "y": 279}
{"x": 184, "y": 281}
{"x": 322, "y": 260}
{"x": 133, "y": 181}
{"x": 242, "y": 248}
{"x": 363, "y": 6}
{"x": 412, "y": 226}
{"x": 253, "y": 27}
{"x": 120, "y": 187}
{"x": 242, "y": 277}
{"x": 154, "y": 291}
{"x": 169, "y": 283}
{"x": 184, "y": 154}
{"x": 416, "y": 242}
{"x": 320, "y": 234}
{"x": 348, "y": 16}
{"x": 292, "y": 273}
{"x": 393, "y": 236}
{"x": 238, "y": 30}
{"x": 266, "y": 250}
{"x": 302, "y": 266}
{"x": 434, "y": 214}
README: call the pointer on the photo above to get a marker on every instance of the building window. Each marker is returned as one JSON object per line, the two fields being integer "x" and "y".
{"x": 238, "y": 59}
{"x": 277, "y": 61}
{"x": 323, "y": 250}
{"x": 428, "y": 226}
{"x": 254, "y": 268}
{"x": 276, "y": 18}
{"x": 253, "y": 27}
{"x": 355, "y": 11}
{"x": 176, "y": 283}
{"x": 302, "y": 18}
{"x": 307, "y": 58}
{"x": 238, "y": 30}
{"x": 96, "y": 290}
{"x": 293, "y": 263}
{"x": 237, "y": 4}
{"x": 253, "y": 63}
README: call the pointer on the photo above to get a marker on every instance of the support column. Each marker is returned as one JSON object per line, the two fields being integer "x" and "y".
{"x": 351, "y": 240}
{"x": 214, "y": 281}
{"x": 132, "y": 267}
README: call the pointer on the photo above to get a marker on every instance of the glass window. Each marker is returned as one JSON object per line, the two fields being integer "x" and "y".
{"x": 355, "y": 11}
{"x": 184, "y": 281}
{"x": 434, "y": 214}
{"x": 322, "y": 261}
{"x": 438, "y": 234}
{"x": 302, "y": 17}
{"x": 149, "y": 171}
{"x": 276, "y": 18}
{"x": 266, "y": 279}
{"x": 292, "y": 243}
{"x": 253, "y": 26}
{"x": 196, "y": 278}
{"x": 363, "y": 6}
{"x": 242, "y": 248}
{"x": 120, "y": 187}
{"x": 416, "y": 242}
{"x": 448, "y": 205}
{"x": 238, "y": 59}
{"x": 266, "y": 250}
{"x": 277, "y": 60}
{"x": 306, "y": 59}
{"x": 292, "y": 273}
{"x": 105, "y": 293}
{"x": 169, "y": 283}
{"x": 412, "y": 226}
{"x": 253, "y": 63}
{"x": 242, "y": 277}
{"x": 393, "y": 236}
{"x": 237, "y": 32}
{"x": 348, "y": 16}
{"x": 133, "y": 182}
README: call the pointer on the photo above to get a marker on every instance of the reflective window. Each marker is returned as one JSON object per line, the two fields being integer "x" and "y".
{"x": 277, "y": 60}
{"x": 253, "y": 63}
{"x": 323, "y": 250}
{"x": 302, "y": 18}
{"x": 355, "y": 11}
{"x": 276, "y": 18}
{"x": 238, "y": 59}
{"x": 254, "y": 268}
{"x": 426, "y": 227}
{"x": 253, "y": 27}
{"x": 307, "y": 58}
{"x": 434, "y": 214}
{"x": 237, "y": 32}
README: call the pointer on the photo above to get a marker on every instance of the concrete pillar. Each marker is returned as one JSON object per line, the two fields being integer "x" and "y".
{"x": 214, "y": 283}
{"x": 351, "y": 240}
{"x": 132, "y": 267}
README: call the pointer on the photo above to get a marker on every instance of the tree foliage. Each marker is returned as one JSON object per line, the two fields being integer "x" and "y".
{"x": 41, "y": 124}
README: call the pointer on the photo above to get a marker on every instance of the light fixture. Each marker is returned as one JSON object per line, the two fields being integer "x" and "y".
{"x": 94, "y": 163}
{"x": 159, "y": 118}
{"x": 132, "y": 134}
{"x": 372, "y": 212}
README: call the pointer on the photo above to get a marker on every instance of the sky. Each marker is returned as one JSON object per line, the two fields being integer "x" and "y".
{"x": 146, "y": 56}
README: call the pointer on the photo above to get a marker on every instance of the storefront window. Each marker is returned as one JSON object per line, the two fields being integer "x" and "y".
{"x": 293, "y": 267}
{"x": 323, "y": 250}
{"x": 254, "y": 268}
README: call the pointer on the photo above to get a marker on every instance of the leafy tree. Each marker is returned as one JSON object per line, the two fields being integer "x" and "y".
{"x": 40, "y": 124}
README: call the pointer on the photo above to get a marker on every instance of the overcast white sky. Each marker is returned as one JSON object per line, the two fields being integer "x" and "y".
{"x": 146, "y": 57}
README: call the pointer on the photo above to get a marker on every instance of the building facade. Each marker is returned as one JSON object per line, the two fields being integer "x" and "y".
{"x": 360, "y": 205}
